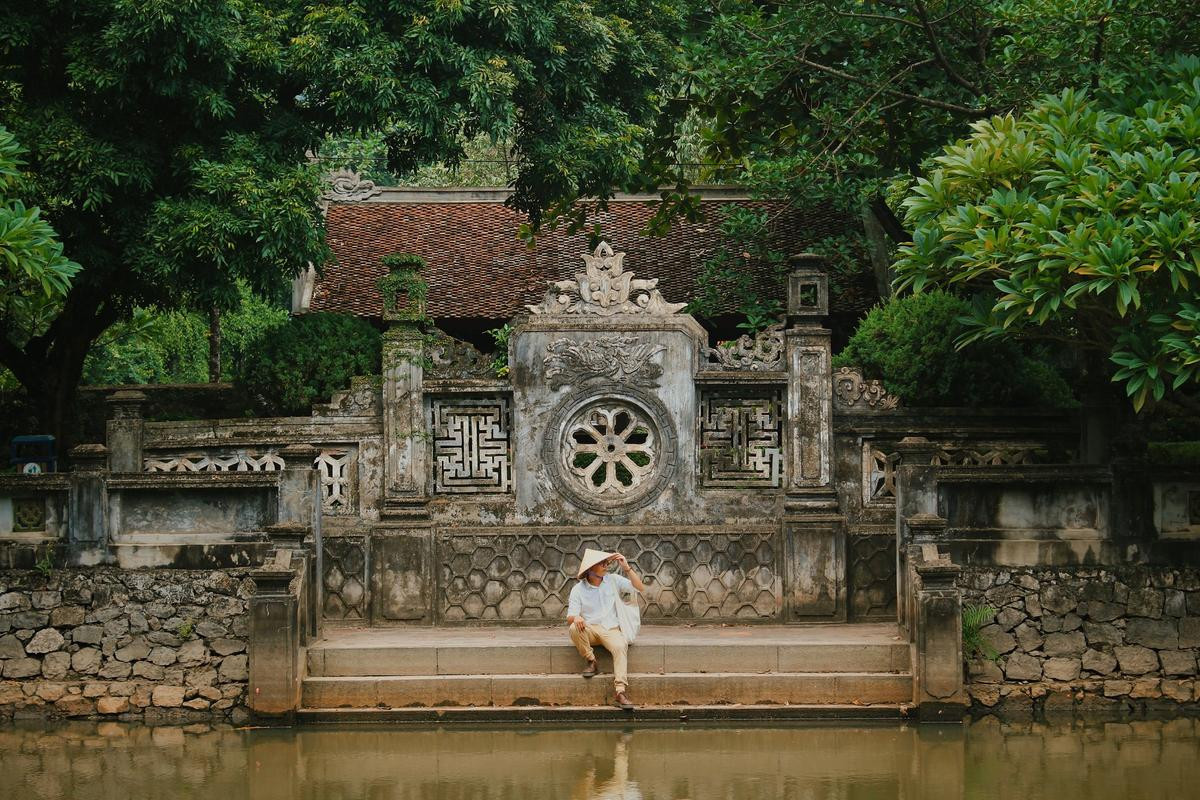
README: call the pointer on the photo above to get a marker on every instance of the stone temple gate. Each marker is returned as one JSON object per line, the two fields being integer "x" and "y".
{"x": 746, "y": 481}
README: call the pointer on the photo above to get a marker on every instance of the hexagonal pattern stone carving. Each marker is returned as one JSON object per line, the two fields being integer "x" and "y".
{"x": 690, "y": 576}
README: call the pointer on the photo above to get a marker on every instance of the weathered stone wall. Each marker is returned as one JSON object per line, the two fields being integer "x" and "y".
{"x": 1088, "y": 641}
{"x": 153, "y": 645}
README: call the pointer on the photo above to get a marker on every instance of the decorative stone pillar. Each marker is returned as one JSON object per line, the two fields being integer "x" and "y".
{"x": 124, "y": 430}
{"x": 404, "y": 431}
{"x": 938, "y": 664}
{"x": 916, "y": 500}
{"x": 813, "y": 529}
{"x": 275, "y": 639}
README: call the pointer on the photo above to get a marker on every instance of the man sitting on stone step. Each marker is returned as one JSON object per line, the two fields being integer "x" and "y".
{"x": 594, "y": 618}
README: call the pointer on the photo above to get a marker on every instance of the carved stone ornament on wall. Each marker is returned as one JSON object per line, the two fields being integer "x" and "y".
{"x": 741, "y": 438}
{"x": 605, "y": 288}
{"x": 472, "y": 452}
{"x": 617, "y": 358}
{"x": 611, "y": 452}
{"x": 347, "y": 186}
{"x": 763, "y": 352}
{"x": 850, "y": 390}
{"x": 454, "y": 358}
{"x": 362, "y": 399}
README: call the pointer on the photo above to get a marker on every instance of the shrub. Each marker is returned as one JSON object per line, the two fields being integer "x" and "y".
{"x": 908, "y": 343}
{"x": 306, "y": 360}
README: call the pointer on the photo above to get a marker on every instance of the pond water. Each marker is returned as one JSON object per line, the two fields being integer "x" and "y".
{"x": 111, "y": 761}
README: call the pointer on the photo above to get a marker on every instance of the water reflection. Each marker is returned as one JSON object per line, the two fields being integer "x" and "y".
{"x": 108, "y": 761}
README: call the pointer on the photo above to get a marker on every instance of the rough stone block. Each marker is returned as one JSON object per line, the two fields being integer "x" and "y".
{"x": 1158, "y": 634}
{"x": 1061, "y": 669}
{"x": 163, "y": 639}
{"x": 209, "y": 693}
{"x": 134, "y": 651}
{"x": 1009, "y": 618}
{"x": 985, "y": 694}
{"x": 46, "y": 599}
{"x": 168, "y": 696}
{"x": 1028, "y": 637}
{"x": 75, "y": 706}
{"x": 1033, "y": 606}
{"x": 115, "y": 669}
{"x": 205, "y": 676}
{"x": 162, "y": 656}
{"x": 227, "y": 647}
{"x": 50, "y": 692}
{"x": 14, "y": 601}
{"x": 1071, "y": 622}
{"x": 11, "y": 647}
{"x": 44, "y": 641}
{"x": 1103, "y": 633}
{"x": 22, "y": 668}
{"x": 234, "y": 668}
{"x": 112, "y": 705}
{"x": 1189, "y": 632}
{"x": 1100, "y": 611}
{"x": 67, "y": 616}
{"x": 1064, "y": 644}
{"x": 985, "y": 671}
{"x": 159, "y": 609}
{"x": 1022, "y": 667}
{"x": 211, "y": 630}
{"x": 87, "y": 634}
{"x": 193, "y": 652}
{"x": 1145, "y": 603}
{"x": 94, "y": 690}
{"x": 144, "y": 669}
{"x": 1180, "y": 691}
{"x": 1099, "y": 661}
{"x": 1145, "y": 688}
{"x": 86, "y": 660}
{"x": 1174, "y": 603}
{"x": 1058, "y": 599}
{"x": 31, "y": 619}
{"x": 1177, "y": 662}
{"x": 998, "y": 639}
{"x": 1136, "y": 660}
{"x": 1117, "y": 688}
{"x": 56, "y": 665}
{"x": 197, "y": 704}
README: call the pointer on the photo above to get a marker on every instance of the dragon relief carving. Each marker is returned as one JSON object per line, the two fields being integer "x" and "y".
{"x": 454, "y": 358}
{"x": 763, "y": 352}
{"x": 849, "y": 388}
{"x": 347, "y": 186}
{"x": 605, "y": 288}
{"x": 618, "y": 358}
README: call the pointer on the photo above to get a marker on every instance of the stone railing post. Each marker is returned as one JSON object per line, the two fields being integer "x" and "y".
{"x": 275, "y": 641}
{"x": 124, "y": 430}
{"x": 938, "y": 689}
{"x": 916, "y": 498}
{"x": 87, "y": 502}
{"x": 404, "y": 431}
{"x": 813, "y": 528}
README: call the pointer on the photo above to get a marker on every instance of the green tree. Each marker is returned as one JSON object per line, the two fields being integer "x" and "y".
{"x": 34, "y": 273}
{"x": 1078, "y": 222}
{"x": 168, "y": 141}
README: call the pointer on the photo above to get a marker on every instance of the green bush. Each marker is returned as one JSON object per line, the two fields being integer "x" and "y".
{"x": 908, "y": 343}
{"x": 306, "y": 360}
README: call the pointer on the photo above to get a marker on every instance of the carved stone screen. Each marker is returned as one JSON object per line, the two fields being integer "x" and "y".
{"x": 741, "y": 437}
{"x": 472, "y": 451}
{"x": 690, "y": 574}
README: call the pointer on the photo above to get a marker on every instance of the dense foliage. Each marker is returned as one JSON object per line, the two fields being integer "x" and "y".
{"x": 1080, "y": 221}
{"x": 305, "y": 360}
{"x": 168, "y": 141}
{"x": 34, "y": 273}
{"x": 172, "y": 347}
{"x": 909, "y": 343}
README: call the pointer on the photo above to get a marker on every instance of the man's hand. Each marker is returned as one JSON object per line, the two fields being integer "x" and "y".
{"x": 578, "y": 624}
{"x": 622, "y": 560}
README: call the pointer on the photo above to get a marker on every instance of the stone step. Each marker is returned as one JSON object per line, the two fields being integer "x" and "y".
{"x": 661, "y": 649}
{"x": 586, "y": 714}
{"x": 687, "y": 688}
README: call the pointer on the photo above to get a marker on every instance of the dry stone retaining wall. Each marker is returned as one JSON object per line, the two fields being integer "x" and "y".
{"x": 153, "y": 645}
{"x": 1086, "y": 641}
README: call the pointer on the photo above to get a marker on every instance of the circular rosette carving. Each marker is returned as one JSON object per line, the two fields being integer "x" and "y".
{"x": 611, "y": 451}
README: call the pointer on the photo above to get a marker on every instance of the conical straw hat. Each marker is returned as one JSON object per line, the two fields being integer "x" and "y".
{"x": 590, "y": 559}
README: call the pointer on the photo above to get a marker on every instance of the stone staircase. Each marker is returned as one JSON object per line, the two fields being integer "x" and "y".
{"x": 859, "y": 671}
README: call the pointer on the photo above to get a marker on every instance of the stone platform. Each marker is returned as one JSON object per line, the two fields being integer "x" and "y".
{"x": 439, "y": 673}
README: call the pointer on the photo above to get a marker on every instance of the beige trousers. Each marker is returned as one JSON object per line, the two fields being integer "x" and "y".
{"x": 612, "y": 640}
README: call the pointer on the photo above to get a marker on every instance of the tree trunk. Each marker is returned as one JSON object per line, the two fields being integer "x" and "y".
{"x": 214, "y": 344}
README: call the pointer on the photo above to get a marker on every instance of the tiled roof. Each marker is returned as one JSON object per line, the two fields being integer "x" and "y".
{"x": 477, "y": 267}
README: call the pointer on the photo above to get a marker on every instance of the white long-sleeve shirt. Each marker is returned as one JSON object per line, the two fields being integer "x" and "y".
{"x": 597, "y": 604}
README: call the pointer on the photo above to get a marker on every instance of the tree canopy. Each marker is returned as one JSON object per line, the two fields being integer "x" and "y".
{"x": 1078, "y": 220}
{"x": 168, "y": 141}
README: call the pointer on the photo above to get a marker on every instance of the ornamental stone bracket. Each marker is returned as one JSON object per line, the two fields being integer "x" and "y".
{"x": 763, "y": 352}
{"x": 604, "y": 288}
{"x": 454, "y": 359}
{"x": 623, "y": 359}
{"x": 852, "y": 391}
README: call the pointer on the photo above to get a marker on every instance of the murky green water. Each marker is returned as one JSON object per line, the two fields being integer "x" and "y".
{"x": 108, "y": 761}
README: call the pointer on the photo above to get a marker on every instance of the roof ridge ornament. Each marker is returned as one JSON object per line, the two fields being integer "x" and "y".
{"x": 347, "y": 186}
{"x": 604, "y": 288}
